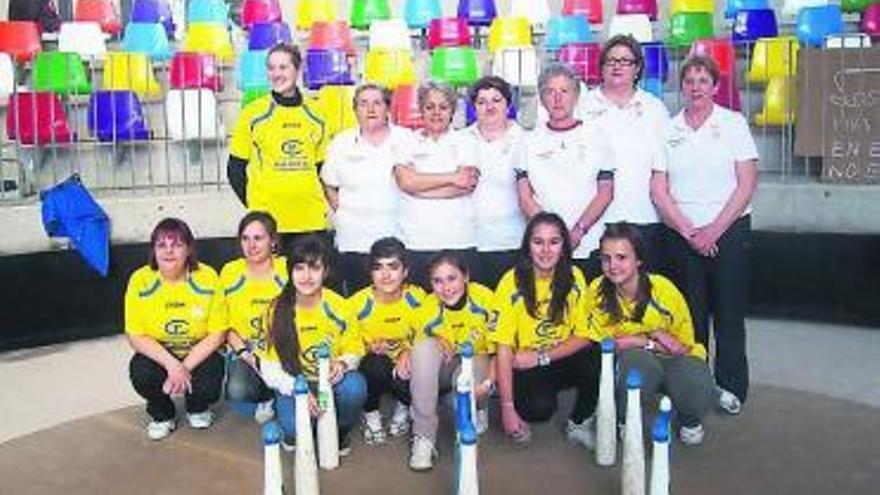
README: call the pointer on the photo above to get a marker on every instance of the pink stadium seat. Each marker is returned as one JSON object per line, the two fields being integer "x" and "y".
{"x": 37, "y": 118}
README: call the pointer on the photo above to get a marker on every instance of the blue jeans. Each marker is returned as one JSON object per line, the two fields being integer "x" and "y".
{"x": 244, "y": 387}
{"x": 349, "y": 395}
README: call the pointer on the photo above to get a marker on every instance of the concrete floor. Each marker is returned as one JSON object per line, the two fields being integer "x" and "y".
{"x": 71, "y": 423}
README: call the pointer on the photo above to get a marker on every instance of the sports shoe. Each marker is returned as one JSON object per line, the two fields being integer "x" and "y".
{"x": 157, "y": 430}
{"x": 692, "y": 435}
{"x": 399, "y": 424}
{"x": 582, "y": 433}
{"x": 288, "y": 444}
{"x": 200, "y": 420}
{"x": 344, "y": 445}
{"x": 265, "y": 411}
{"x": 423, "y": 453}
{"x": 482, "y": 422}
{"x": 373, "y": 432}
{"x": 728, "y": 401}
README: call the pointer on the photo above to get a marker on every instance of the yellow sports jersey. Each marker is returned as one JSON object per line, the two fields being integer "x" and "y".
{"x": 177, "y": 315}
{"x": 283, "y": 146}
{"x": 395, "y": 323}
{"x": 472, "y": 323}
{"x": 329, "y": 322}
{"x": 517, "y": 329}
{"x": 667, "y": 311}
{"x": 246, "y": 299}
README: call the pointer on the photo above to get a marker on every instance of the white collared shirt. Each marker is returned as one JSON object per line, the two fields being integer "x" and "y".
{"x": 430, "y": 224}
{"x": 563, "y": 168}
{"x": 368, "y": 194}
{"x": 701, "y": 163}
{"x": 636, "y": 134}
{"x": 499, "y": 219}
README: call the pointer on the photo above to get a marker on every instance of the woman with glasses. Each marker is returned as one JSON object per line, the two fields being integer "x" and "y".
{"x": 174, "y": 326}
{"x": 359, "y": 182}
{"x": 634, "y": 122}
{"x": 704, "y": 197}
{"x": 437, "y": 177}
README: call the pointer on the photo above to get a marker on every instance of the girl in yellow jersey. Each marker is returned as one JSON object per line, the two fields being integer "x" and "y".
{"x": 302, "y": 319}
{"x": 385, "y": 314}
{"x": 542, "y": 339}
{"x": 172, "y": 323}
{"x": 457, "y": 312}
{"x": 249, "y": 284}
{"x": 650, "y": 322}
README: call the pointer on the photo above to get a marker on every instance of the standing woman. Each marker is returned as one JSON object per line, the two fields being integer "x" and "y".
{"x": 359, "y": 182}
{"x": 568, "y": 168}
{"x": 635, "y": 123}
{"x": 650, "y": 323}
{"x": 500, "y": 146}
{"x": 438, "y": 178}
{"x": 172, "y": 322}
{"x": 249, "y": 284}
{"x": 705, "y": 199}
{"x": 542, "y": 336}
{"x": 304, "y": 317}
{"x": 276, "y": 151}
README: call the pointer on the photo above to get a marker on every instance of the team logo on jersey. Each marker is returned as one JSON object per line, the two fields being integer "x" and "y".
{"x": 546, "y": 333}
{"x": 177, "y": 327}
{"x": 292, "y": 147}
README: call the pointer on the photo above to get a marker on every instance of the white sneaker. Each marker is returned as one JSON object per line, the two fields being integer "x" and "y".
{"x": 399, "y": 424}
{"x": 692, "y": 435}
{"x": 265, "y": 412}
{"x": 373, "y": 432}
{"x": 582, "y": 433}
{"x": 201, "y": 420}
{"x": 423, "y": 453}
{"x": 482, "y": 422}
{"x": 157, "y": 430}
{"x": 728, "y": 401}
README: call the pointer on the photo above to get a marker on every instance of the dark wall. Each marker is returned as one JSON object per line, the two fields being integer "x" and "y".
{"x": 52, "y": 296}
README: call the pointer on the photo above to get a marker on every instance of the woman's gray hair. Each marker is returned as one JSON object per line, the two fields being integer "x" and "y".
{"x": 386, "y": 93}
{"x": 556, "y": 69}
{"x": 444, "y": 89}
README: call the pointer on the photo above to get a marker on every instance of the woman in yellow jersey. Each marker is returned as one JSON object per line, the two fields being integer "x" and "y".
{"x": 249, "y": 284}
{"x": 542, "y": 339}
{"x": 302, "y": 319}
{"x": 457, "y": 312}
{"x": 276, "y": 151}
{"x": 172, "y": 323}
{"x": 385, "y": 314}
{"x": 650, "y": 323}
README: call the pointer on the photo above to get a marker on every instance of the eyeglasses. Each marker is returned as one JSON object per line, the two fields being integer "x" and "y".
{"x": 622, "y": 62}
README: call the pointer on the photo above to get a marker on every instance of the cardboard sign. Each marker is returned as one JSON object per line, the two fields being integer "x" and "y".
{"x": 839, "y": 112}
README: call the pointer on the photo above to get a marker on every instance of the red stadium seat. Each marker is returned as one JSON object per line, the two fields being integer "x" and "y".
{"x": 405, "y": 107}
{"x": 20, "y": 39}
{"x": 101, "y": 11}
{"x": 37, "y": 118}
{"x": 191, "y": 70}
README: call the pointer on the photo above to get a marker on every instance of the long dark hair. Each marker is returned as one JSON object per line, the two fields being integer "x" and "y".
{"x": 563, "y": 277}
{"x": 608, "y": 291}
{"x": 283, "y": 337}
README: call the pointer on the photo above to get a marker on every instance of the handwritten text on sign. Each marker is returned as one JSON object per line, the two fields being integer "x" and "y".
{"x": 853, "y": 140}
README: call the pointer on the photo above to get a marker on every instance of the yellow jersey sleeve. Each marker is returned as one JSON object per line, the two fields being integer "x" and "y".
{"x": 580, "y": 305}
{"x": 246, "y": 299}
{"x": 393, "y": 323}
{"x": 241, "y": 142}
{"x": 506, "y": 294}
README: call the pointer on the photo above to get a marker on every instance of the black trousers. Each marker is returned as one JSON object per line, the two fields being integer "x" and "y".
{"x": 354, "y": 271}
{"x": 244, "y": 384}
{"x": 718, "y": 287}
{"x": 591, "y": 267}
{"x": 378, "y": 371}
{"x": 492, "y": 265}
{"x": 535, "y": 389}
{"x": 148, "y": 376}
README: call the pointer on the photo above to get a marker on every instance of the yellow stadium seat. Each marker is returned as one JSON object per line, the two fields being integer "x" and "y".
{"x": 779, "y": 104}
{"x": 773, "y": 58}
{"x": 335, "y": 105}
{"x": 209, "y": 37}
{"x": 130, "y": 71}
{"x": 309, "y": 12}
{"x": 509, "y": 32}
{"x": 390, "y": 68}
{"x": 678, "y": 6}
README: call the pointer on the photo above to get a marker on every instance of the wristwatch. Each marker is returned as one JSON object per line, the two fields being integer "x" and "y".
{"x": 543, "y": 358}
{"x": 650, "y": 345}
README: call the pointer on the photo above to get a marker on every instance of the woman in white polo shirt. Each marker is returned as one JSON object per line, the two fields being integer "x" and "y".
{"x": 359, "y": 182}
{"x": 635, "y": 124}
{"x": 437, "y": 177}
{"x": 500, "y": 144}
{"x": 705, "y": 198}
{"x": 568, "y": 168}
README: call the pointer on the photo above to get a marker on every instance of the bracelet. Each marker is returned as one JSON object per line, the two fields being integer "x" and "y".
{"x": 507, "y": 404}
{"x": 489, "y": 385}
